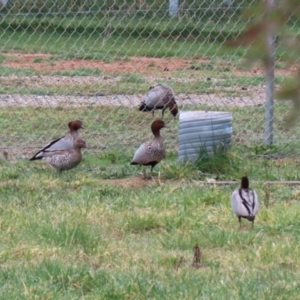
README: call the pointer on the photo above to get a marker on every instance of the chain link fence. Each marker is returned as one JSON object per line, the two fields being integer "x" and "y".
{"x": 95, "y": 61}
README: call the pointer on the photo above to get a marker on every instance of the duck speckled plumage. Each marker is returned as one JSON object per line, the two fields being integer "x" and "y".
{"x": 62, "y": 143}
{"x": 160, "y": 97}
{"x": 244, "y": 202}
{"x": 67, "y": 159}
{"x": 152, "y": 152}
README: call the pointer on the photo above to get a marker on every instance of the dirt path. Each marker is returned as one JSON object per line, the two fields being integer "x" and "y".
{"x": 143, "y": 65}
{"x": 128, "y": 100}
{"x": 151, "y": 70}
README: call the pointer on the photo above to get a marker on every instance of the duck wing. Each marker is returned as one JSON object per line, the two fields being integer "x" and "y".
{"x": 61, "y": 143}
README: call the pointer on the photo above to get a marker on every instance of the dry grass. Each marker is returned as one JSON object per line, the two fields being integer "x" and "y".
{"x": 131, "y": 182}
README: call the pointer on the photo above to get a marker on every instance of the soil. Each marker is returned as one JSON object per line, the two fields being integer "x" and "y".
{"x": 143, "y": 65}
{"x": 42, "y": 62}
{"x": 152, "y": 70}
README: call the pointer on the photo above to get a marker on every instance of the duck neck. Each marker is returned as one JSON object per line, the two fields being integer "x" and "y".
{"x": 156, "y": 134}
{"x": 245, "y": 183}
{"x": 78, "y": 150}
{"x": 74, "y": 133}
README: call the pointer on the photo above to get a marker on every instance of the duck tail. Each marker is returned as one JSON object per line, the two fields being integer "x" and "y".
{"x": 144, "y": 107}
{"x": 36, "y": 157}
{"x": 251, "y": 218}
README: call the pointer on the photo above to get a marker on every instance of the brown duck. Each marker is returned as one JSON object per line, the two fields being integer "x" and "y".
{"x": 152, "y": 152}
{"x": 62, "y": 143}
{"x": 66, "y": 159}
{"x": 160, "y": 97}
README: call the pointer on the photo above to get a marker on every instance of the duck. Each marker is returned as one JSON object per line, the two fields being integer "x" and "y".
{"x": 160, "y": 97}
{"x": 244, "y": 202}
{"x": 62, "y": 143}
{"x": 66, "y": 159}
{"x": 152, "y": 152}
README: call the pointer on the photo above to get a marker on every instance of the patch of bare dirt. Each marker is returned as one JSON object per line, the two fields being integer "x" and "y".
{"x": 260, "y": 71}
{"x": 151, "y": 69}
{"x": 143, "y": 65}
{"x": 41, "y": 62}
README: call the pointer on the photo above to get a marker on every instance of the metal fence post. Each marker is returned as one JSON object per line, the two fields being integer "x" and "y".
{"x": 4, "y": 2}
{"x": 174, "y": 8}
{"x": 270, "y": 78}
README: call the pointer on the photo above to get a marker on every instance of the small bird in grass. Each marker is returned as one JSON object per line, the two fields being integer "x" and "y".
{"x": 67, "y": 159}
{"x": 62, "y": 143}
{"x": 160, "y": 97}
{"x": 244, "y": 202}
{"x": 152, "y": 152}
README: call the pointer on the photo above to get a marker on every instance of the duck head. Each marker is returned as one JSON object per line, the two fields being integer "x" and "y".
{"x": 157, "y": 125}
{"x": 245, "y": 182}
{"x": 79, "y": 144}
{"x": 173, "y": 109}
{"x": 75, "y": 125}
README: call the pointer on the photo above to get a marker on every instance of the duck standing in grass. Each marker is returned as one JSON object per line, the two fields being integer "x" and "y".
{"x": 66, "y": 159}
{"x": 244, "y": 202}
{"x": 160, "y": 97}
{"x": 62, "y": 143}
{"x": 152, "y": 152}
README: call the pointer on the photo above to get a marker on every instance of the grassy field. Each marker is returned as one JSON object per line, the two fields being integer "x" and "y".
{"x": 79, "y": 236}
{"x": 100, "y": 231}
{"x": 119, "y": 37}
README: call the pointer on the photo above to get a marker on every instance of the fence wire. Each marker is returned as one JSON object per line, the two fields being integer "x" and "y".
{"x": 95, "y": 61}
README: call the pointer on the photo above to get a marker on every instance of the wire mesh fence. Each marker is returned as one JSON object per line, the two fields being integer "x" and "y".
{"x": 95, "y": 61}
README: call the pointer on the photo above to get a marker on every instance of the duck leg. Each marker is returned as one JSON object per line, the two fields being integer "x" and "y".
{"x": 147, "y": 177}
{"x": 240, "y": 222}
{"x": 162, "y": 113}
{"x": 144, "y": 173}
{"x": 151, "y": 172}
{"x": 252, "y": 224}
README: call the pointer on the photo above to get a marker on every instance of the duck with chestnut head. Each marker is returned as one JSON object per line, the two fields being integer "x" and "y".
{"x": 62, "y": 143}
{"x": 66, "y": 159}
{"x": 152, "y": 152}
{"x": 160, "y": 97}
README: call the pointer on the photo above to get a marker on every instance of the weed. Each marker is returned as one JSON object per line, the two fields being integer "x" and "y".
{"x": 38, "y": 60}
{"x": 197, "y": 257}
{"x": 203, "y": 66}
{"x": 151, "y": 64}
{"x": 2, "y": 58}
{"x": 218, "y": 163}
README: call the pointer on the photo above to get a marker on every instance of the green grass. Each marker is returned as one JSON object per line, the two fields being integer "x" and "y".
{"x": 116, "y": 37}
{"x": 73, "y": 7}
{"x": 75, "y": 235}
{"x": 113, "y": 134}
{"x": 115, "y": 46}
{"x": 220, "y": 65}
{"x": 93, "y": 233}
{"x": 99, "y": 231}
{"x": 129, "y": 83}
